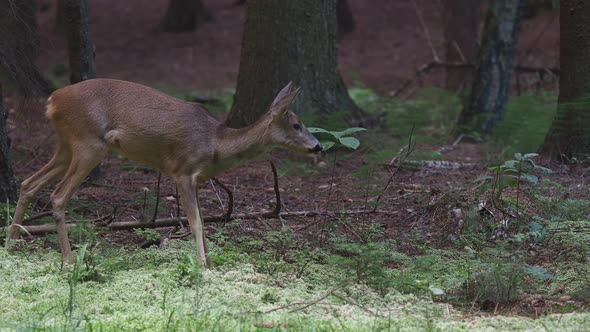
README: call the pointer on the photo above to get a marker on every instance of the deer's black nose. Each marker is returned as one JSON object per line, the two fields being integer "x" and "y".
{"x": 317, "y": 148}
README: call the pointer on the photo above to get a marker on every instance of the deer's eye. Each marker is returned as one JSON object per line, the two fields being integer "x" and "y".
{"x": 297, "y": 127}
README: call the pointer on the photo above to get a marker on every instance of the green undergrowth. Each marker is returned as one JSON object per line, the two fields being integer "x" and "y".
{"x": 216, "y": 102}
{"x": 274, "y": 282}
{"x": 431, "y": 114}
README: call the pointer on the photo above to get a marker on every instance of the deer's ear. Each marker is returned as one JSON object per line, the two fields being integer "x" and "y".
{"x": 284, "y": 99}
{"x": 284, "y": 91}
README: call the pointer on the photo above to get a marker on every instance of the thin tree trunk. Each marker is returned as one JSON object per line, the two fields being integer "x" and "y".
{"x": 7, "y": 183}
{"x": 185, "y": 15}
{"x": 290, "y": 41}
{"x": 569, "y": 136}
{"x": 60, "y": 16}
{"x": 80, "y": 45}
{"x": 486, "y": 104}
{"x": 461, "y": 22}
{"x": 81, "y": 49}
{"x": 345, "y": 18}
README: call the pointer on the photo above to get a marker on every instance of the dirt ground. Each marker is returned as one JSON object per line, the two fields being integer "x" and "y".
{"x": 382, "y": 53}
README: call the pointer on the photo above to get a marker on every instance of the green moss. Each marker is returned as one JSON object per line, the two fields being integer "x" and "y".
{"x": 159, "y": 290}
{"x": 524, "y": 126}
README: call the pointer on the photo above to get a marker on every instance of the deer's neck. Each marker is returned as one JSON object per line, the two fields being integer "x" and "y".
{"x": 234, "y": 146}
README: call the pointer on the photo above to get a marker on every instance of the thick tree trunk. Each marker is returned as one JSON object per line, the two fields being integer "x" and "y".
{"x": 569, "y": 136}
{"x": 7, "y": 183}
{"x": 290, "y": 41}
{"x": 18, "y": 51}
{"x": 493, "y": 75}
{"x": 19, "y": 46}
{"x": 461, "y": 40}
{"x": 185, "y": 15}
{"x": 81, "y": 49}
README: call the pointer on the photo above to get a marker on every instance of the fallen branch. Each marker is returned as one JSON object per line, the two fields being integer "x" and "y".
{"x": 170, "y": 222}
{"x": 304, "y": 305}
{"x": 425, "y": 68}
{"x": 39, "y": 216}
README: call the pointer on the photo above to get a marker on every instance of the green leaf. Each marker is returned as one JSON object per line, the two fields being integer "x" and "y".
{"x": 530, "y": 155}
{"x": 530, "y": 177}
{"x": 485, "y": 177}
{"x": 509, "y": 164}
{"x": 527, "y": 165}
{"x": 543, "y": 169}
{"x": 327, "y": 145}
{"x": 347, "y": 131}
{"x": 518, "y": 156}
{"x": 350, "y": 142}
{"x": 539, "y": 272}
{"x": 314, "y": 130}
{"x": 495, "y": 169}
{"x": 436, "y": 291}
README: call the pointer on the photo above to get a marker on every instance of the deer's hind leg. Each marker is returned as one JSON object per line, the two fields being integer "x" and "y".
{"x": 84, "y": 159}
{"x": 53, "y": 170}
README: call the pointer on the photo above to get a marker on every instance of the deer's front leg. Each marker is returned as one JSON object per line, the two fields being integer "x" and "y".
{"x": 187, "y": 188}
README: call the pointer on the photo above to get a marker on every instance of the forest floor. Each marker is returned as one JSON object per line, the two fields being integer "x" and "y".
{"x": 430, "y": 257}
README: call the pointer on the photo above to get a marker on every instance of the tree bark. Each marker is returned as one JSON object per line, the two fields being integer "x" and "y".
{"x": 185, "y": 15}
{"x": 19, "y": 46}
{"x": 569, "y": 136}
{"x": 80, "y": 45}
{"x": 18, "y": 51}
{"x": 487, "y": 101}
{"x": 290, "y": 41}
{"x": 60, "y": 16}
{"x": 461, "y": 25}
{"x": 7, "y": 183}
{"x": 81, "y": 50}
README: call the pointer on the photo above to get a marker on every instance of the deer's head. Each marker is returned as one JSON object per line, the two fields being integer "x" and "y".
{"x": 286, "y": 130}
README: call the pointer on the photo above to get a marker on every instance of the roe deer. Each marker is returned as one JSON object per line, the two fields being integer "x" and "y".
{"x": 180, "y": 139}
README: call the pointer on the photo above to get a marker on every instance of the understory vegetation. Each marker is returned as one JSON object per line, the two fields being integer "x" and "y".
{"x": 505, "y": 247}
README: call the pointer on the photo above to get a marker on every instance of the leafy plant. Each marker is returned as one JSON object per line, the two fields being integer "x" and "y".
{"x": 512, "y": 174}
{"x": 366, "y": 261}
{"x": 342, "y": 137}
{"x": 148, "y": 234}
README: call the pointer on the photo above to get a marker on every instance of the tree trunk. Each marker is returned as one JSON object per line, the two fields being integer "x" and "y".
{"x": 18, "y": 51}
{"x": 461, "y": 40}
{"x": 344, "y": 16}
{"x": 485, "y": 106}
{"x": 569, "y": 136}
{"x": 7, "y": 183}
{"x": 80, "y": 45}
{"x": 19, "y": 45}
{"x": 184, "y": 15}
{"x": 60, "y": 16}
{"x": 290, "y": 41}
{"x": 81, "y": 49}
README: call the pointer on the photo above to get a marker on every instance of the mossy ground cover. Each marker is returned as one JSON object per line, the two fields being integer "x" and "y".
{"x": 162, "y": 290}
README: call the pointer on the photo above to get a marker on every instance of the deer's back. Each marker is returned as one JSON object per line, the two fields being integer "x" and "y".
{"x": 141, "y": 123}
